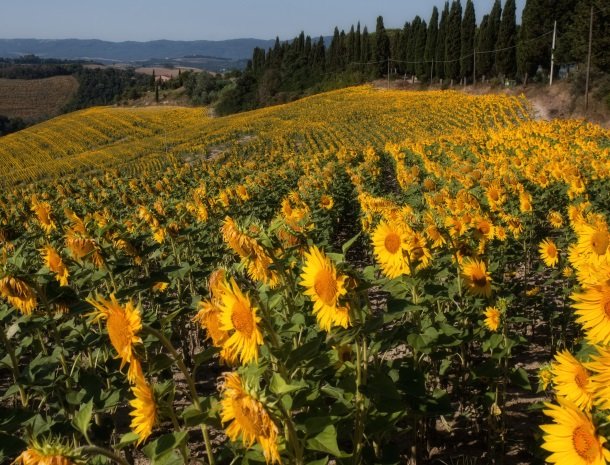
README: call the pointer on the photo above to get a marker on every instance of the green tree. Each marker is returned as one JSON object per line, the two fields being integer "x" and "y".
{"x": 432, "y": 35}
{"x": 469, "y": 27}
{"x": 453, "y": 41}
{"x": 441, "y": 43}
{"x": 532, "y": 49}
{"x": 419, "y": 34}
{"x": 506, "y": 55}
{"x": 382, "y": 47}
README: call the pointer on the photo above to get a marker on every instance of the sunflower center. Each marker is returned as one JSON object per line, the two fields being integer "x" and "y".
{"x": 392, "y": 242}
{"x": 581, "y": 379}
{"x": 551, "y": 250}
{"x": 242, "y": 319}
{"x": 325, "y": 286}
{"x": 585, "y": 444}
{"x": 599, "y": 242}
{"x": 606, "y": 305}
{"x": 479, "y": 279}
{"x": 484, "y": 228}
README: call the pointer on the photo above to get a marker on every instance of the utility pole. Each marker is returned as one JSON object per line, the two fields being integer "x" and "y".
{"x": 553, "y": 52}
{"x": 589, "y": 61}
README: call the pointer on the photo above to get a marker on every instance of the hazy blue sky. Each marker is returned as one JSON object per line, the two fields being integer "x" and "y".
{"x": 143, "y": 20}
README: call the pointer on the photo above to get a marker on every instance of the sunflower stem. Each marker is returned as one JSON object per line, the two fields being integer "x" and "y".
{"x": 96, "y": 450}
{"x": 14, "y": 366}
{"x": 189, "y": 380}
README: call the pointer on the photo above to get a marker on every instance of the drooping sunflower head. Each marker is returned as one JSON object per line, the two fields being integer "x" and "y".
{"x": 555, "y": 219}
{"x": 572, "y": 438}
{"x": 478, "y": 280}
{"x": 548, "y": 252}
{"x": 144, "y": 413}
{"x": 49, "y": 451}
{"x": 122, "y": 322}
{"x": 238, "y": 317}
{"x": 248, "y": 418}
{"x": 492, "y": 318}
{"x": 325, "y": 287}
{"x": 572, "y": 380}
{"x": 43, "y": 213}
{"x": 390, "y": 244}
{"x": 54, "y": 262}
{"x": 208, "y": 317}
{"x": 19, "y": 294}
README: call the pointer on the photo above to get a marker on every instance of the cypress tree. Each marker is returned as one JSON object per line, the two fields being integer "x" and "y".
{"x": 351, "y": 45}
{"x": 506, "y": 56}
{"x": 420, "y": 34}
{"x": 358, "y": 44}
{"x": 488, "y": 36}
{"x": 430, "y": 51}
{"x": 454, "y": 41}
{"x": 405, "y": 40}
{"x": 531, "y": 50}
{"x": 469, "y": 27}
{"x": 382, "y": 47}
{"x": 441, "y": 43}
{"x": 365, "y": 44}
{"x": 334, "y": 50}
{"x": 410, "y": 58}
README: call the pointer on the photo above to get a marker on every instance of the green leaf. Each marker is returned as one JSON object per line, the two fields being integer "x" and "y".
{"x": 83, "y": 417}
{"x": 326, "y": 441}
{"x": 127, "y": 439}
{"x": 323, "y": 461}
{"x": 519, "y": 378}
{"x": 280, "y": 387}
{"x": 164, "y": 445}
{"x": 349, "y": 243}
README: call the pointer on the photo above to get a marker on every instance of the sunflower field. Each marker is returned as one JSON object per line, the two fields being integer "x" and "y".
{"x": 359, "y": 277}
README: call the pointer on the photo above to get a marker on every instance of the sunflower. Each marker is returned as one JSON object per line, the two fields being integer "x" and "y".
{"x": 249, "y": 420}
{"x": 49, "y": 452}
{"x": 571, "y": 380}
{"x": 593, "y": 311}
{"x": 43, "y": 213}
{"x": 208, "y": 317}
{"x": 545, "y": 376}
{"x": 123, "y": 324}
{"x": 390, "y": 243}
{"x": 593, "y": 240}
{"x": 476, "y": 276}
{"x": 238, "y": 317}
{"x": 492, "y": 318}
{"x": 144, "y": 411}
{"x": 19, "y": 294}
{"x": 548, "y": 252}
{"x": 555, "y": 219}
{"x": 53, "y": 262}
{"x": 572, "y": 438}
{"x": 326, "y": 202}
{"x": 324, "y": 287}
{"x": 600, "y": 379}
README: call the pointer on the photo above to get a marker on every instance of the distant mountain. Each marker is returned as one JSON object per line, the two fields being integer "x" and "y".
{"x": 235, "y": 49}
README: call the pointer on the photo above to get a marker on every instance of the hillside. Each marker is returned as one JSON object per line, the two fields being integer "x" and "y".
{"x": 36, "y": 99}
{"x": 235, "y": 49}
{"x": 109, "y": 136}
{"x": 389, "y": 273}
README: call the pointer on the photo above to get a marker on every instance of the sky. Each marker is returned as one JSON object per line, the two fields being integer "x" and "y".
{"x": 143, "y": 20}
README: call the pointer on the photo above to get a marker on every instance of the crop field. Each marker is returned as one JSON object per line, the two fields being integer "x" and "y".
{"x": 35, "y": 99}
{"x": 361, "y": 276}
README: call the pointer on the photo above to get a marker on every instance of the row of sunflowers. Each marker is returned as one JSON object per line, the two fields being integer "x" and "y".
{"x": 356, "y": 277}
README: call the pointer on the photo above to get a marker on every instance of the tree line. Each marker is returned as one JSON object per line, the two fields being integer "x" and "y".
{"x": 452, "y": 46}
